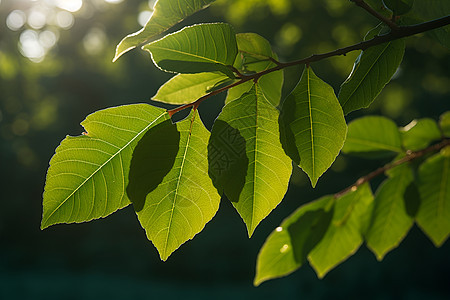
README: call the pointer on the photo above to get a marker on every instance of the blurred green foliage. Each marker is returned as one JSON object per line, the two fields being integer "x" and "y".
{"x": 41, "y": 102}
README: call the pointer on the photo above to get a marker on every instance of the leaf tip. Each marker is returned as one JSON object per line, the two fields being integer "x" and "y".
{"x": 257, "y": 281}
{"x": 120, "y": 51}
{"x": 44, "y": 224}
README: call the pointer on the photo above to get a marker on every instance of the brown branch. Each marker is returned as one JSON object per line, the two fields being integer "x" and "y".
{"x": 374, "y": 13}
{"x": 401, "y": 32}
{"x": 409, "y": 157}
{"x": 201, "y": 99}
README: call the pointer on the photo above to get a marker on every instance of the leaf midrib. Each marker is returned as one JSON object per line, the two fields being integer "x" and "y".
{"x": 187, "y": 54}
{"x": 311, "y": 126}
{"x": 44, "y": 222}
{"x": 366, "y": 74}
{"x": 178, "y": 185}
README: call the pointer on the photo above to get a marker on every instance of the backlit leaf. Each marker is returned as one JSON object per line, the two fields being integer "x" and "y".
{"x": 246, "y": 160}
{"x": 88, "y": 174}
{"x": 419, "y": 134}
{"x": 433, "y": 183}
{"x": 186, "y": 88}
{"x": 180, "y": 206}
{"x": 372, "y": 136}
{"x": 390, "y": 221}
{"x": 316, "y": 122}
{"x": 287, "y": 247}
{"x": 345, "y": 234}
{"x": 166, "y": 13}
{"x": 373, "y": 69}
{"x": 195, "y": 49}
{"x": 254, "y": 56}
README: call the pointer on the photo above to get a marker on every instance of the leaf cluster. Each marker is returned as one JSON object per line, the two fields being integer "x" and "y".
{"x": 175, "y": 173}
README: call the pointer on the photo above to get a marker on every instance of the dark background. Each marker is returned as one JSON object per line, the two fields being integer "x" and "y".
{"x": 42, "y": 102}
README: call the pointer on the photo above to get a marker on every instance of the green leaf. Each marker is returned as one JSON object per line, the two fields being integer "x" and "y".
{"x": 373, "y": 69}
{"x": 432, "y": 9}
{"x": 313, "y": 115}
{"x": 88, "y": 174}
{"x": 180, "y": 206}
{"x": 433, "y": 183}
{"x": 419, "y": 134}
{"x": 379, "y": 7}
{"x": 390, "y": 220}
{"x": 287, "y": 247}
{"x": 195, "y": 49}
{"x": 372, "y": 136}
{"x": 444, "y": 123}
{"x": 399, "y": 7}
{"x": 186, "y": 88}
{"x": 345, "y": 234}
{"x": 246, "y": 160}
{"x": 255, "y": 54}
{"x": 166, "y": 13}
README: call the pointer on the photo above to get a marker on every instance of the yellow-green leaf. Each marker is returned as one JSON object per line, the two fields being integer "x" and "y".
{"x": 166, "y": 13}
{"x": 196, "y": 49}
{"x": 178, "y": 208}
{"x": 89, "y": 173}
{"x": 246, "y": 160}
{"x": 315, "y": 123}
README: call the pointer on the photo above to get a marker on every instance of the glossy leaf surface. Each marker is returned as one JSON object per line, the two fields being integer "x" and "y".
{"x": 419, "y": 134}
{"x": 373, "y": 69}
{"x": 179, "y": 207}
{"x": 89, "y": 173}
{"x": 434, "y": 187}
{"x": 195, "y": 49}
{"x": 166, "y": 13}
{"x": 252, "y": 169}
{"x": 315, "y": 120}
{"x": 372, "y": 135}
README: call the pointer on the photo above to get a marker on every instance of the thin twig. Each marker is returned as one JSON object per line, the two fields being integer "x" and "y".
{"x": 370, "y": 10}
{"x": 401, "y": 32}
{"x": 409, "y": 157}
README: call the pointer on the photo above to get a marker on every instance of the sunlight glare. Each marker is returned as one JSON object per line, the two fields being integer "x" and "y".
{"x": 113, "y": 1}
{"x": 284, "y": 248}
{"x": 30, "y": 47}
{"x": 37, "y": 19}
{"x": 48, "y": 39}
{"x": 69, "y": 5}
{"x": 16, "y": 19}
{"x": 64, "y": 19}
{"x": 144, "y": 16}
{"x": 94, "y": 41}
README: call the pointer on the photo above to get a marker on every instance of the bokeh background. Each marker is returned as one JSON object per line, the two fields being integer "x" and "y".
{"x": 55, "y": 68}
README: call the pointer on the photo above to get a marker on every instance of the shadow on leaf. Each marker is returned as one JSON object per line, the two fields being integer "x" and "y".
{"x": 287, "y": 138}
{"x": 308, "y": 231}
{"x": 227, "y": 160}
{"x": 412, "y": 199}
{"x": 153, "y": 158}
{"x": 188, "y": 67}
